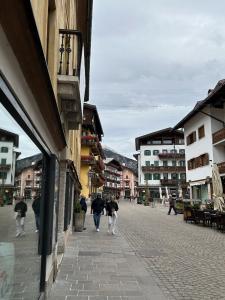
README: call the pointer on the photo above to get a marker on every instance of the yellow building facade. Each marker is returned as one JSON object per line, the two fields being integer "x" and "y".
{"x": 92, "y": 166}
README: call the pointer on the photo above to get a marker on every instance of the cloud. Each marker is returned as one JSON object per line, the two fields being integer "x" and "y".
{"x": 151, "y": 62}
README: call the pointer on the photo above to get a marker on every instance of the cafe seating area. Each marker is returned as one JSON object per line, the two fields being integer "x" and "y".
{"x": 206, "y": 217}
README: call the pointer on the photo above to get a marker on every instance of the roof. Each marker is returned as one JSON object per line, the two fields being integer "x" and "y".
{"x": 213, "y": 97}
{"x": 96, "y": 118}
{"x": 157, "y": 133}
{"x": 12, "y": 136}
{"x": 27, "y": 162}
{"x": 113, "y": 161}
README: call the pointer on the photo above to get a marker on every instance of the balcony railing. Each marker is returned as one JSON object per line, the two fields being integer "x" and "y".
{"x": 173, "y": 182}
{"x": 5, "y": 167}
{"x": 88, "y": 159}
{"x": 221, "y": 167}
{"x": 163, "y": 169}
{"x": 70, "y": 52}
{"x": 218, "y": 136}
{"x": 171, "y": 155}
{"x": 88, "y": 140}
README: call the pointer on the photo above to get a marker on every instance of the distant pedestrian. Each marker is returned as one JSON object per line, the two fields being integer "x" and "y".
{"x": 84, "y": 208}
{"x": 112, "y": 209}
{"x": 172, "y": 203}
{"x": 97, "y": 207}
{"x": 36, "y": 208}
{"x": 20, "y": 214}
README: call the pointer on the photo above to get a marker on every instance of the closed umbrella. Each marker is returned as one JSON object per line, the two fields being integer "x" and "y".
{"x": 217, "y": 189}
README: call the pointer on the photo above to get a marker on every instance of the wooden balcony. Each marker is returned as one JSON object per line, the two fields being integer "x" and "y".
{"x": 87, "y": 160}
{"x": 5, "y": 167}
{"x": 221, "y": 167}
{"x": 164, "y": 169}
{"x": 218, "y": 136}
{"x": 171, "y": 155}
{"x": 173, "y": 182}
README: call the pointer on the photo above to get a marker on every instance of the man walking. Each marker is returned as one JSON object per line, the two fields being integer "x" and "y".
{"x": 20, "y": 214}
{"x": 172, "y": 203}
{"x": 97, "y": 207}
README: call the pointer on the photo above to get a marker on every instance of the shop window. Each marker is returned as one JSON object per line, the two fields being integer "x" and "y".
{"x": 4, "y": 149}
{"x": 201, "y": 132}
{"x": 156, "y": 176}
{"x": 155, "y": 152}
{"x": 191, "y": 138}
{"x": 147, "y": 152}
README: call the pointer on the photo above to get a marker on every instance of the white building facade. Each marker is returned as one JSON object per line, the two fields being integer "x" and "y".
{"x": 161, "y": 163}
{"x": 204, "y": 136}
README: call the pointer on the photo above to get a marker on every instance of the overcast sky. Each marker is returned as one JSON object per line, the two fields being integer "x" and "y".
{"x": 151, "y": 61}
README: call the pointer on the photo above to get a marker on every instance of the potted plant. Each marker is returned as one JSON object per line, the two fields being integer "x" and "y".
{"x": 78, "y": 217}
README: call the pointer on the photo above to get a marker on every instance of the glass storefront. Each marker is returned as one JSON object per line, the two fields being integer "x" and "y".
{"x": 20, "y": 214}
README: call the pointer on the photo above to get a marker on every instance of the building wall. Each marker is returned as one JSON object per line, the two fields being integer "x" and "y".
{"x": 132, "y": 178}
{"x": 9, "y": 156}
{"x": 199, "y": 147}
{"x": 152, "y": 158}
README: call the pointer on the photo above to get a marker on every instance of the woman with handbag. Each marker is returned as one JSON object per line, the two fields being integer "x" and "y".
{"x": 111, "y": 209}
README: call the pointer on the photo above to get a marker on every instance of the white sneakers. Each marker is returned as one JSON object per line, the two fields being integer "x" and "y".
{"x": 97, "y": 229}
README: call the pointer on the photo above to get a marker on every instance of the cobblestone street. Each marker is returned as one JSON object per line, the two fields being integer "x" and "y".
{"x": 153, "y": 256}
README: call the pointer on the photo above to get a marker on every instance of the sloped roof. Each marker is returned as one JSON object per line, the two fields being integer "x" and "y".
{"x": 213, "y": 95}
{"x": 156, "y": 133}
{"x": 113, "y": 161}
{"x": 96, "y": 118}
{"x": 27, "y": 162}
{"x": 12, "y": 136}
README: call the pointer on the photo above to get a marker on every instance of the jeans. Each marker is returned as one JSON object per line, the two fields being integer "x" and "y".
{"x": 97, "y": 217}
{"x": 37, "y": 221}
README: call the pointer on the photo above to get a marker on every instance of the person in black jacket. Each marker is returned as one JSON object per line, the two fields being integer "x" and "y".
{"x": 84, "y": 208}
{"x": 172, "y": 203}
{"x": 20, "y": 214}
{"x": 36, "y": 209}
{"x": 97, "y": 207}
{"x": 112, "y": 208}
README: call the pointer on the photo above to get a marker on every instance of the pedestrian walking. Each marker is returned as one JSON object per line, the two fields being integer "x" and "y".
{"x": 84, "y": 208}
{"x": 97, "y": 207}
{"x": 172, "y": 203}
{"x": 36, "y": 208}
{"x": 20, "y": 214}
{"x": 112, "y": 209}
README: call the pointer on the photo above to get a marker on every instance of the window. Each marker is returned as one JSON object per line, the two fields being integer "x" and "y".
{"x": 147, "y": 152}
{"x": 148, "y": 176}
{"x": 156, "y": 142}
{"x": 164, "y": 151}
{"x": 182, "y": 151}
{"x": 197, "y": 162}
{"x": 174, "y": 176}
{"x": 165, "y": 163}
{"x": 191, "y": 138}
{"x": 3, "y": 161}
{"x": 4, "y": 149}
{"x": 174, "y": 163}
{"x": 174, "y": 151}
{"x": 28, "y": 176}
{"x": 165, "y": 176}
{"x": 156, "y": 176}
{"x": 183, "y": 176}
{"x": 147, "y": 163}
{"x": 201, "y": 132}
{"x": 126, "y": 176}
{"x": 3, "y": 175}
{"x": 155, "y": 152}
{"x": 181, "y": 142}
{"x": 156, "y": 163}
{"x": 182, "y": 163}
{"x": 167, "y": 142}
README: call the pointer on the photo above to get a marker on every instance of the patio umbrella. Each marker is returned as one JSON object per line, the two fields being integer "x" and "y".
{"x": 217, "y": 189}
